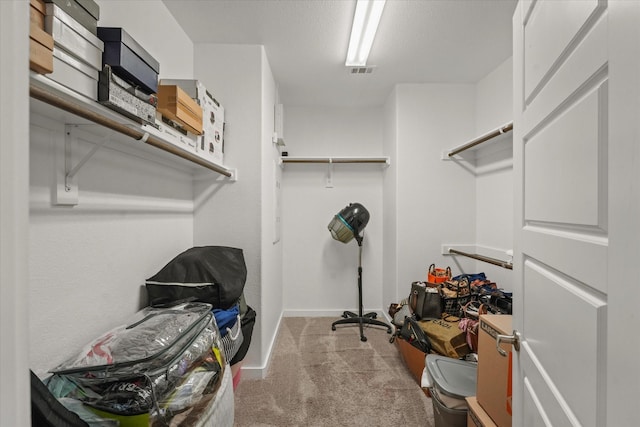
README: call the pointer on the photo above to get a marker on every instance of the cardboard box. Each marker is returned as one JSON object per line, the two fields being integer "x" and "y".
{"x": 477, "y": 417}
{"x": 211, "y": 143}
{"x": 40, "y": 51}
{"x": 37, "y": 13}
{"x": 413, "y": 358}
{"x": 494, "y": 370}
{"x": 174, "y": 103}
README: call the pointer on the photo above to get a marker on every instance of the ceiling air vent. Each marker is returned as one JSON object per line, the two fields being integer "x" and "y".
{"x": 361, "y": 70}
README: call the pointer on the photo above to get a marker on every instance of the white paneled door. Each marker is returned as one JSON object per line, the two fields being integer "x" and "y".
{"x": 561, "y": 122}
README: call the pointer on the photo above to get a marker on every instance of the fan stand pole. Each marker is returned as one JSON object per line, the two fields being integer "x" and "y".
{"x": 349, "y": 317}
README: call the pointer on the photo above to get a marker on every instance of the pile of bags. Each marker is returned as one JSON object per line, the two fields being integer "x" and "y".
{"x": 173, "y": 362}
{"x": 441, "y": 315}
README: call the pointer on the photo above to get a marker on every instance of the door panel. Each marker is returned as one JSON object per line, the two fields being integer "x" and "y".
{"x": 541, "y": 403}
{"x": 565, "y": 251}
{"x": 544, "y": 49}
{"x": 585, "y": 68}
{"x": 533, "y": 407}
{"x": 567, "y": 347}
{"x": 567, "y": 151}
{"x": 561, "y": 233}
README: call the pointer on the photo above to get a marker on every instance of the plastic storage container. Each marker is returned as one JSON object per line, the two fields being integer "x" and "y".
{"x": 452, "y": 380}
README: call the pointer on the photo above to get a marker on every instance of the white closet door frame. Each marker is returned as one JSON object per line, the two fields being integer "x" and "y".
{"x": 14, "y": 214}
{"x": 623, "y": 342}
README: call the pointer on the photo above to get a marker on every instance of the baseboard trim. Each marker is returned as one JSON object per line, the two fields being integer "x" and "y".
{"x": 260, "y": 372}
{"x": 326, "y": 313}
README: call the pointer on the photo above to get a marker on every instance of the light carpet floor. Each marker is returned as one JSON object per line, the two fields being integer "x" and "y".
{"x": 319, "y": 377}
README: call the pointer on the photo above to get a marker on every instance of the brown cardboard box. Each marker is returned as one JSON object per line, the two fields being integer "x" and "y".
{"x": 413, "y": 358}
{"x": 40, "y": 50}
{"x": 37, "y": 13}
{"x": 494, "y": 370}
{"x": 476, "y": 416}
{"x": 175, "y": 104}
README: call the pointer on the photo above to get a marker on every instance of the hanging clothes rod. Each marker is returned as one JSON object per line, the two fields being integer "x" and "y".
{"x": 50, "y": 98}
{"x": 494, "y": 133}
{"x": 335, "y": 160}
{"x": 494, "y": 261}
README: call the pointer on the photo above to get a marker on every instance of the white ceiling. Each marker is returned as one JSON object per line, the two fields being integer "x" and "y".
{"x": 418, "y": 41}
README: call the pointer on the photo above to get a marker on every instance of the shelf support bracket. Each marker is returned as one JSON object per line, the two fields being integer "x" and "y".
{"x": 67, "y": 187}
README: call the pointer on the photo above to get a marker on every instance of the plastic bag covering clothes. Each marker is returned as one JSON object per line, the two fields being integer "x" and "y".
{"x": 212, "y": 274}
{"x": 163, "y": 361}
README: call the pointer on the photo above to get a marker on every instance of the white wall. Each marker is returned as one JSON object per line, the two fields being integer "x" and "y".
{"x": 320, "y": 273}
{"x": 156, "y": 30}
{"x": 87, "y": 264}
{"x": 14, "y": 185}
{"x": 240, "y": 214}
{"x": 271, "y": 287}
{"x": 426, "y": 201}
{"x": 435, "y": 198}
{"x": 390, "y": 198}
{"x": 494, "y": 163}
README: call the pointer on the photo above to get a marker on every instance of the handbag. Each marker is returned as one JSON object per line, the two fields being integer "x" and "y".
{"x": 401, "y": 313}
{"x": 438, "y": 275}
{"x": 456, "y": 293}
{"x": 412, "y": 333}
{"x": 425, "y": 300}
{"x": 445, "y": 337}
{"x": 471, "y": 312}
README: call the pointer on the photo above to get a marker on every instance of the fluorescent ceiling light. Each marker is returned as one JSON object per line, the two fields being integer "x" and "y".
{"x": 363, "y": 31}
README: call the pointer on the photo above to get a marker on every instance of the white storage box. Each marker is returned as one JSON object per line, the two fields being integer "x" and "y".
{"x": 167, "y": 133}
{"x": 75, "y": 39}
{"x": 77, "y": 76}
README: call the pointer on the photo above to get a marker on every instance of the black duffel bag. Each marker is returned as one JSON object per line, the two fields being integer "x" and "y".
{"x": 212, "y": 274}
{"x": 248, "y": 321}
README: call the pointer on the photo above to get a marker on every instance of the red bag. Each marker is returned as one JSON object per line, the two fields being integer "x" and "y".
{"x": 438, "y": 275}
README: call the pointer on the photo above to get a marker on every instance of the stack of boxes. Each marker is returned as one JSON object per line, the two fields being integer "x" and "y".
{"x": 128, "y": 59}
{"x": 129, "y": 76}
{"x": 107, "y": 65}
{"x": 40, "y": 42}
{"x": 492, "y": 404}
{"x": 210, "y": 141}
{"x": 77, "y": 51}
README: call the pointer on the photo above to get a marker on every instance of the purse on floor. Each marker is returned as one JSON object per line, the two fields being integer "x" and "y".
{"x": 445, "y": 337}
{"x": 425, "y": 300}
{"x": 412, "y": 333}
